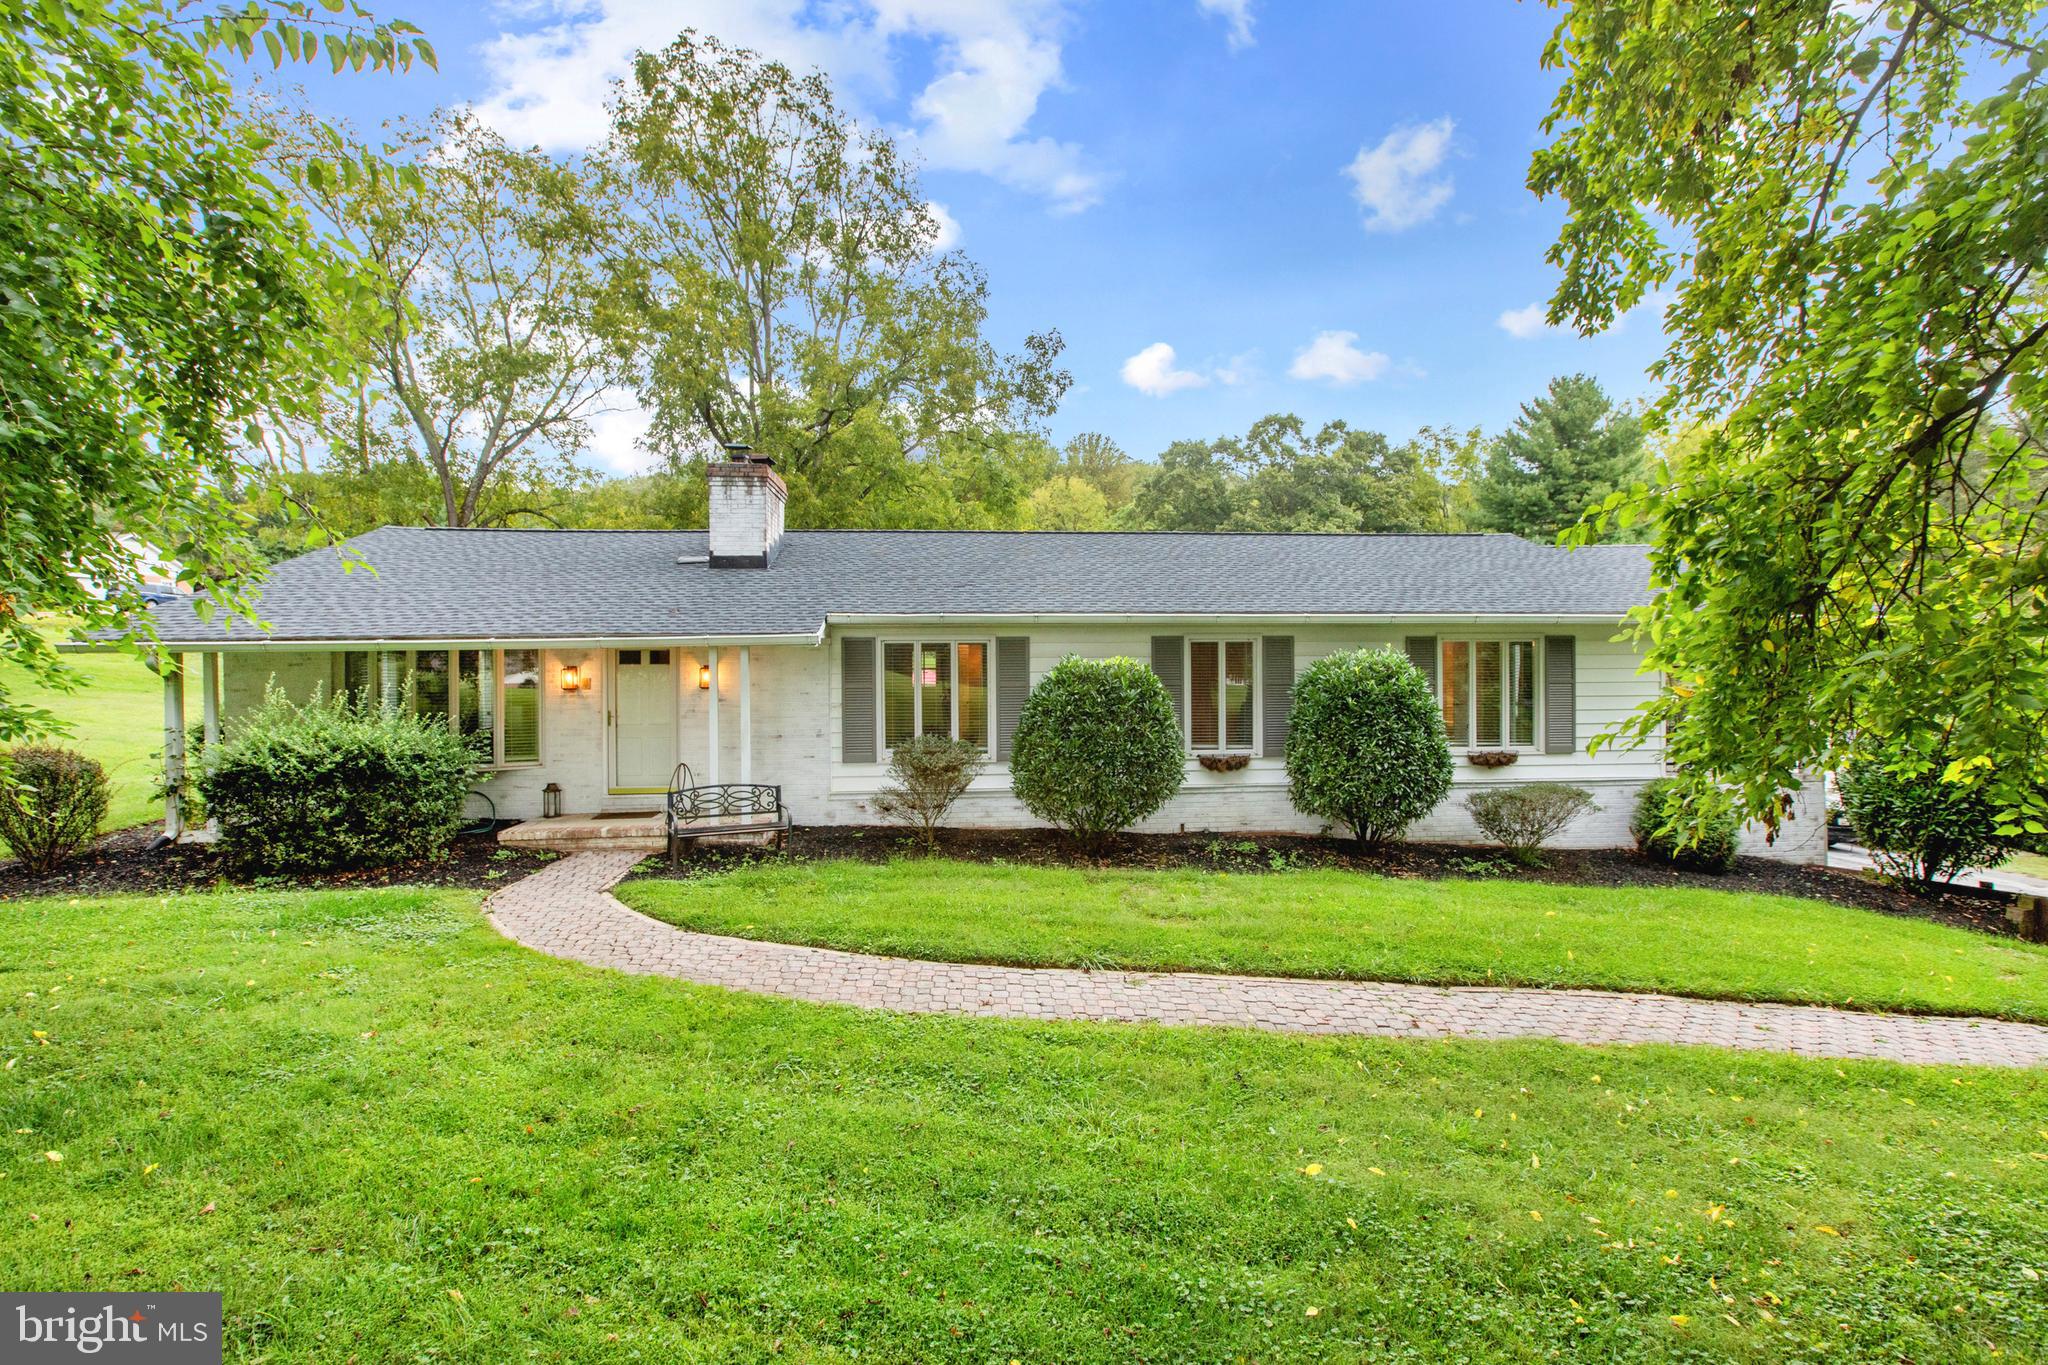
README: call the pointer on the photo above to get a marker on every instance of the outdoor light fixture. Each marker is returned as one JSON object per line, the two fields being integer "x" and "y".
{"x": 703, "y": 677}
{"x": 551, "y": 801}
{"x": 571, "y": 678}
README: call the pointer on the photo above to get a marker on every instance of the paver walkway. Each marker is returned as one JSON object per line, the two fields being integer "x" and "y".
{"x": 566, "y": 909}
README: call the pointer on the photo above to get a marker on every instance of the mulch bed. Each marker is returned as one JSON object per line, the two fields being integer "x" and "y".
{"x": 122, "y": 864}
{"x": 1984, "y": 912}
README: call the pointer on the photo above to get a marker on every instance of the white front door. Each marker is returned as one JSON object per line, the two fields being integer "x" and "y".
{"x": 643, "y": 719}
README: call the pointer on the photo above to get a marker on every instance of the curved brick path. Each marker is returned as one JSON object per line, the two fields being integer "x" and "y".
{"x": 567, "y": 910}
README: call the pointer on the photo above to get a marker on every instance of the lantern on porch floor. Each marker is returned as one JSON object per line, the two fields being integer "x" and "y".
{"x": 551, "y": 800}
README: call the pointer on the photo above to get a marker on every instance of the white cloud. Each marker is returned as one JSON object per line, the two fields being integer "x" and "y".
{"x": 1238, "y": 13}
{"x": 1335, "y": 358}
{"x": 616, "y": 433}
{"x": 948, "y": 235}
{"x": 1524, "y": 323}
{"x": 1152, "y": 373}
{"x": 1241, "y": 368}
{"x": 1395, "y": 181}
{"x": 990, "y": 63}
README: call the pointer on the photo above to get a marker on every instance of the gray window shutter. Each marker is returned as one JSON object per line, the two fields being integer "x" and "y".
{"x": 1560, "y": 694}
{"x": 857, "y": 699}
{"x": 1422, "y": 653}
{"x": 1013, "y": 684}
{"x": 1168, "y": 653}
{"x": 1277, "y": 684}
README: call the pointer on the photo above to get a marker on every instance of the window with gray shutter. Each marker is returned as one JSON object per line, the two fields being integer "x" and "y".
{"x": 1422, "y": 653}
{"x": 1276, "y": 682}
{"x": 1560, "y": 694}
{"x": 1013, "y": 684}
{"x": 857, "y": 699}
{"x": 1167, "y": 654}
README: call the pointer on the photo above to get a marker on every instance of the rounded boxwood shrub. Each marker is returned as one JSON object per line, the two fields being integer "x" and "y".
{"x": 51, "y": 803}
{"x": 1701, "y": 839}
{"x": 1097, "y": 747}
{"x": 330, "y": 785}
{"x": 1917, "y": 827}
{"x": 1366, "y": 745}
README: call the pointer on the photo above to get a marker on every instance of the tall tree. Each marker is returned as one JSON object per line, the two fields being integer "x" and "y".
{"x": 1846, "y": 201}
{"x": 1566, "y": 452}
{"x": 493, "y": 349}
{"x": 1282, "y": 477}
{"x": 161, "y": 292}
{"x": 1102, "y": 463}
{"x": 786, "y": 284}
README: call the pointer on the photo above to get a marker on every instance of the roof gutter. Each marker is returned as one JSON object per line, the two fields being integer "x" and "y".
{"x": 1263, "y": 618}
{"x": 811, "y": 638}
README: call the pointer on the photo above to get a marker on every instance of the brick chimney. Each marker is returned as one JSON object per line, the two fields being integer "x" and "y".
{"x": 747, "y": 498}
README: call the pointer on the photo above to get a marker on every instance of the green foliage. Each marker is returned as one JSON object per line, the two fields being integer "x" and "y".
{"x": 782, "y": 287}
{"x": 1918, "y": 825}
{"x": 332, "y": 784}
{"x": 162, "y": 292}
{"x": 927, "y": 775}
{"x": 1524, "y": 817}
{"x": 1281, "y": 477}
{"x": 1366, "y": 745}
{"x": 1567, "y": 452}
{"x": 1685, "y": 826}
{"x": 1067, "y": 502}
{"x": 1097, "y": 747}
{"x": 490, "y": 353}
{"x": 51, "y": 803}
{"x": 1843, "y": 204}
{"x": 1102, "y": 464}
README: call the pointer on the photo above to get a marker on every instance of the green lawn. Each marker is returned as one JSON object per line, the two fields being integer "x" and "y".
{"x": 117, "y": 718}
{"x": 386, "y": 1133}
{"x": 1342, "y": 924}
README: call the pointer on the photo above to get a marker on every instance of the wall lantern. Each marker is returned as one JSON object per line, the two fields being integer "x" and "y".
{"x": 703, "y": 677}
{"x": 551, "y": 800}
{"x": 572, "y": 678}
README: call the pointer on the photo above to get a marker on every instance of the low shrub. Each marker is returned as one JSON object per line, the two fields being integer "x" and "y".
{"x": 1366, "y": 745}
{"x": 51, "y": 803}
{"x": 1918, "y": 828}
{"x": 1097, "y": 747}
{"x": 1700, "y": 837}
{"x": 1522, "y": 819}
{"x": 926, "y": 776}
{"x": 332, "y": 785}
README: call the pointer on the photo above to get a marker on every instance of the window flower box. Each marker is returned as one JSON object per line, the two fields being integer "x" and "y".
{"x": 1491, "y": 758}
{"x": 1223, "y": 763}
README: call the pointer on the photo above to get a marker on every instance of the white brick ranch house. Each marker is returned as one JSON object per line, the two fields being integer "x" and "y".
{"x": 599, "y": 660}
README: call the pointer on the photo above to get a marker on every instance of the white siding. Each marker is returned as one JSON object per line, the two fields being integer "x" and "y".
{"x": 796, "y": 726}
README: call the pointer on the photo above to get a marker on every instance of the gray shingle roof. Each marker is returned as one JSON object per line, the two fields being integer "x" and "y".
{"x": 437, "y": 584}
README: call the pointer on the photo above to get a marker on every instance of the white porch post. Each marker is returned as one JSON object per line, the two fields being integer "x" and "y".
{"x": 746, "y": 719}
{"x": 209, "y": 703}
{"x": 172, "y": 668}
{"x": 711, "y": 716}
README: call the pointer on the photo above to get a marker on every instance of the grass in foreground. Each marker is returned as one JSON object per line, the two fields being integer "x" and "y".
{"x": 1341, "y": 924}
{"x": 386, "y": 1133}
{"x": 117, "y": 718}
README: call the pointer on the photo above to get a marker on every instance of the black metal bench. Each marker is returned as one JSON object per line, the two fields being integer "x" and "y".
{"x": 698, "y": 812}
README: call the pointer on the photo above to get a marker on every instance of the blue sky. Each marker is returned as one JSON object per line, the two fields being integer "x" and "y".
{"x": 1317, "y": 205}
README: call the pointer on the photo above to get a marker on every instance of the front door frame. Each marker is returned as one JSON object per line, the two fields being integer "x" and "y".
{"x": 674, "y": 665}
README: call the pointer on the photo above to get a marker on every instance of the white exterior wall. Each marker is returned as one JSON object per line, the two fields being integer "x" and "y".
{"x": 795, "y": 723}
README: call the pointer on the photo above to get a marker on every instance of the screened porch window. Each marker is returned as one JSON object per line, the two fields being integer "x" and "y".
{"x": 491, "y": 697}
{"x": 936, "y": 688}
{"x": 1488, "y": 692}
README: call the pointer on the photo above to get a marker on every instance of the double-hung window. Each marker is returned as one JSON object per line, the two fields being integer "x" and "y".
{"x": 491, "y": 697}
{"x": 935, "y": 688}
{"x": 1220, "y": 695}
{"x": 1488, "y": 691}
